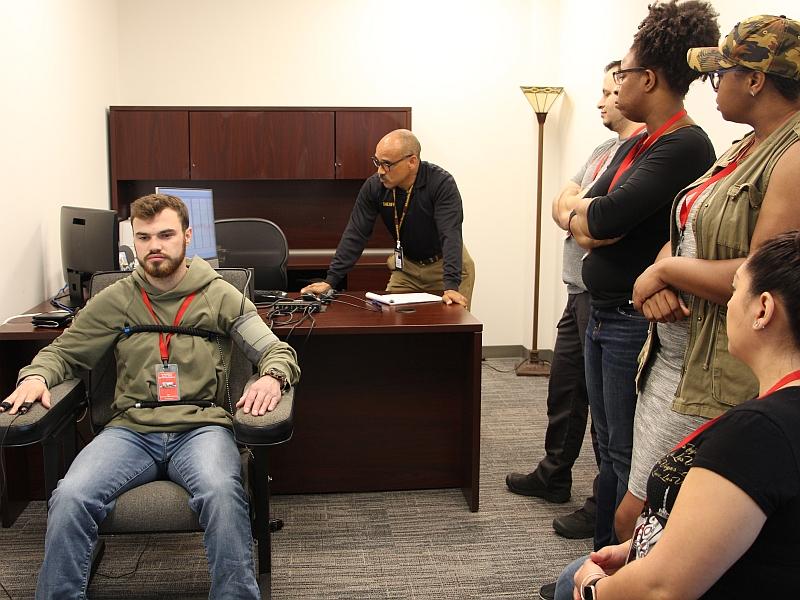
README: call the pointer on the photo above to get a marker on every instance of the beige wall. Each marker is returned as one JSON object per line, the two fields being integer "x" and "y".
{"x": 59, "y": 75}
{"x": 459, "y": 64}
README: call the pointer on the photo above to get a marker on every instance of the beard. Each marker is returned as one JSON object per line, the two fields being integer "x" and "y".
{"x": 166, "y": 267}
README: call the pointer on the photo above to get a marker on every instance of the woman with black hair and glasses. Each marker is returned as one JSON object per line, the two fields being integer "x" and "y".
{"x": 624, "y": 221}
{"x": 723, "y": 519}
{"x": 749, "y": 195}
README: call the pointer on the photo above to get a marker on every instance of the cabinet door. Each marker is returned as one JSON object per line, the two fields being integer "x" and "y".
{"x": 357, "y": 134}
{"x": 261, "y": 144}
{"x": 149, "y": 144}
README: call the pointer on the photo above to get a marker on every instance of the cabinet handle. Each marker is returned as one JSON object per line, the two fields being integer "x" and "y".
{"x": 337, "y": 164}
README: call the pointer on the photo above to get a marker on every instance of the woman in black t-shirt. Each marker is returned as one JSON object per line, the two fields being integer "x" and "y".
{"x": 722, "y": 518}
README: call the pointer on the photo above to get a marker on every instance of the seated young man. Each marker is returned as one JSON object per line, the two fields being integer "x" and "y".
{"x": 190, "y": 444}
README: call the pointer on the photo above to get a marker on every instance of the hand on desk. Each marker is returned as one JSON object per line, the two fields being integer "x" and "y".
{"x": 30, "y": 390}
{"x": 316, "y": 288}
{"x": 451, "y": 296}
{"x": 261, "y": 397}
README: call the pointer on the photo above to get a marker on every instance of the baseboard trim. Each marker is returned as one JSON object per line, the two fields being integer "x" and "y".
{"x": 519, "y": 351}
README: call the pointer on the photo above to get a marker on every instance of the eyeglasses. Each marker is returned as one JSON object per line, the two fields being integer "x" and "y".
{"x": 716, "y": 76}
{"x": 619, "y": 76}
{"x": 386, "y": 164}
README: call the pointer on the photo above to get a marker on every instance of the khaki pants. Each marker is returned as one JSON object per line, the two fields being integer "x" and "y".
{"x": 429, "y": 278}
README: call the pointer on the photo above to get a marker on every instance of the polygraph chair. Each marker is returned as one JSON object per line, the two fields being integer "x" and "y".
{"x": 134, "y": 511}
{"x": 256, "y": 244}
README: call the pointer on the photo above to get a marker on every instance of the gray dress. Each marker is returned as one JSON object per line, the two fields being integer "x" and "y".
{"x": 656, "y": 427}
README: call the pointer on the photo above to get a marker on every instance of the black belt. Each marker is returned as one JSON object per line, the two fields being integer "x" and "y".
{"x": 425, "y": 261}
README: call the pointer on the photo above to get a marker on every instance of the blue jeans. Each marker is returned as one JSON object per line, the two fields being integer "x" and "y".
{"x": 566, "y": 581}
{"x": 204, "y": 461}
{"x": 614, "y": 338}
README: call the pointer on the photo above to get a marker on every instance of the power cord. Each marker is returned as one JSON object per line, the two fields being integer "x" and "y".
{"x": 367, "y": 305}
{"x": 11, "y": 318}
{"x": 58, "y": 296}
{"x": 135, "y": 567}
{"x": 363, "y": 307}
{"x": 7, "y": 593}
{"x": 485, "y": 364}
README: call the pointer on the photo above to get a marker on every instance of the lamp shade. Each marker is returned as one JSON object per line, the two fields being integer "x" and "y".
{"x": 541, "y": 98}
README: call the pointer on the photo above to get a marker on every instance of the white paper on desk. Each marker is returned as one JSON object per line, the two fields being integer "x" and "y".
{"x": 404, "y": 298}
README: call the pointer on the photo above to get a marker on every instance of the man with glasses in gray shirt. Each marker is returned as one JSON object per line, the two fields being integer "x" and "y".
{"x": 567, "y": 402}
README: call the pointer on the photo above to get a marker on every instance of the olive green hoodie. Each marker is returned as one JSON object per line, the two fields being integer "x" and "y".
{"x": 98, "y": 327}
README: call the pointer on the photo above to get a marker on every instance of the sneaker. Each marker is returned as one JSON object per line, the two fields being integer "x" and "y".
{"x": 578, "y": 525}
{"x": 548, "y": 591}
{"x": 530, "y": 485}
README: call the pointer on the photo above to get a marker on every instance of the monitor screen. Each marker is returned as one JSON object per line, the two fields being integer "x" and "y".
{"x": 89, "y": 243}
{"x": 200, "y": 203}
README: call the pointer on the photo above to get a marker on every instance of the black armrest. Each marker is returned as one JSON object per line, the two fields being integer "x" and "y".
{"x": 38, "y": 423}
{"x": 271, "y": 428}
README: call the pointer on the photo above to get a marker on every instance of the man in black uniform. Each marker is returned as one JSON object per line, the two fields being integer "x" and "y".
{"x": 420, "y": 205}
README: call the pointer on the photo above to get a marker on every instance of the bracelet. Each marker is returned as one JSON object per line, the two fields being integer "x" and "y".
{"x": 280, "y": 376}
{"x": 569, "y": 221}
{"x": 589, "y": 582}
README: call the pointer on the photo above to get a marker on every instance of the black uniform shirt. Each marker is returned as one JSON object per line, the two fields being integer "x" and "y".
{"x": 432, "y": 225}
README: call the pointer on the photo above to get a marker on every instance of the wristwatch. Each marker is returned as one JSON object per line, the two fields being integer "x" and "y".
{"x": 588, "y": 589}
{"x": 280, "y": 376}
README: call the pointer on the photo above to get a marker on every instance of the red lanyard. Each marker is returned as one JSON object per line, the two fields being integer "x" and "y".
{"x": 601, "y": 163}
{"x": 692, "y": 195}
{"x": 163, "y": 343}
{"x": 785, "y": 380}
{"x": 643, "y": 145}
{"x": 604, "y": 159}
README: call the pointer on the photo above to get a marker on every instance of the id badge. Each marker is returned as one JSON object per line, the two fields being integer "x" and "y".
{"x": 167, "y": 382}
{"x": 398, "y": 258}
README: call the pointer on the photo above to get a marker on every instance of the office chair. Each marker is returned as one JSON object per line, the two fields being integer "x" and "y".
{"x": 254, "y": 243}
{"x": 133, "y": 512}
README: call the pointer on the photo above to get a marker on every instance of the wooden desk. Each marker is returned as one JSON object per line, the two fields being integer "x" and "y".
{"x": 387, "y": 401}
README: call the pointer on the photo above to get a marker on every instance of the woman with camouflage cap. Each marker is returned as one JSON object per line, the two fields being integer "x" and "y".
{"x": 750, "y": 194}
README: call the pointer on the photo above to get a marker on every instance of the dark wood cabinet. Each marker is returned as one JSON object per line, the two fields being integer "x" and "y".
{"x": 150, "y": 144}
{"x": 357, "y": 133}
{"x": 261, "y": 144}
{"x": 299, "y": 167}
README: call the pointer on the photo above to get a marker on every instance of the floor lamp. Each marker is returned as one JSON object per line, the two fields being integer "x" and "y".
{"x": 541, "y": 99}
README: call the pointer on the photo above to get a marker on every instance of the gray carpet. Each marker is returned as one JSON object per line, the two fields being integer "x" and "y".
{"x": 422, "y": 544}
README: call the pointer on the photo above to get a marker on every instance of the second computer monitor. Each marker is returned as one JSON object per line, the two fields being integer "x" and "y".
{"x": 200, "y": 203}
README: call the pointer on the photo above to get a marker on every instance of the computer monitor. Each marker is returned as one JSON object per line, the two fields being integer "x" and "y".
{"x": 89, "y": 243}
{"x": 200, "y": 203}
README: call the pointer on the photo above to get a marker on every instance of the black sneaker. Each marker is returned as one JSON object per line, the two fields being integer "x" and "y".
{"x": 530, "y": 485}
{"x": 548, "y": 591}
{"x": 578, "y": 525}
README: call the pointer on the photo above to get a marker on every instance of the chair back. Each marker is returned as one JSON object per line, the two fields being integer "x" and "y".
{"x": 102, "y": 378}
{"x": 256, "y": 244}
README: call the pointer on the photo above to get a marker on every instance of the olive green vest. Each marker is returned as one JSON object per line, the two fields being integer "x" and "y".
{"x": 712, "y": 380}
